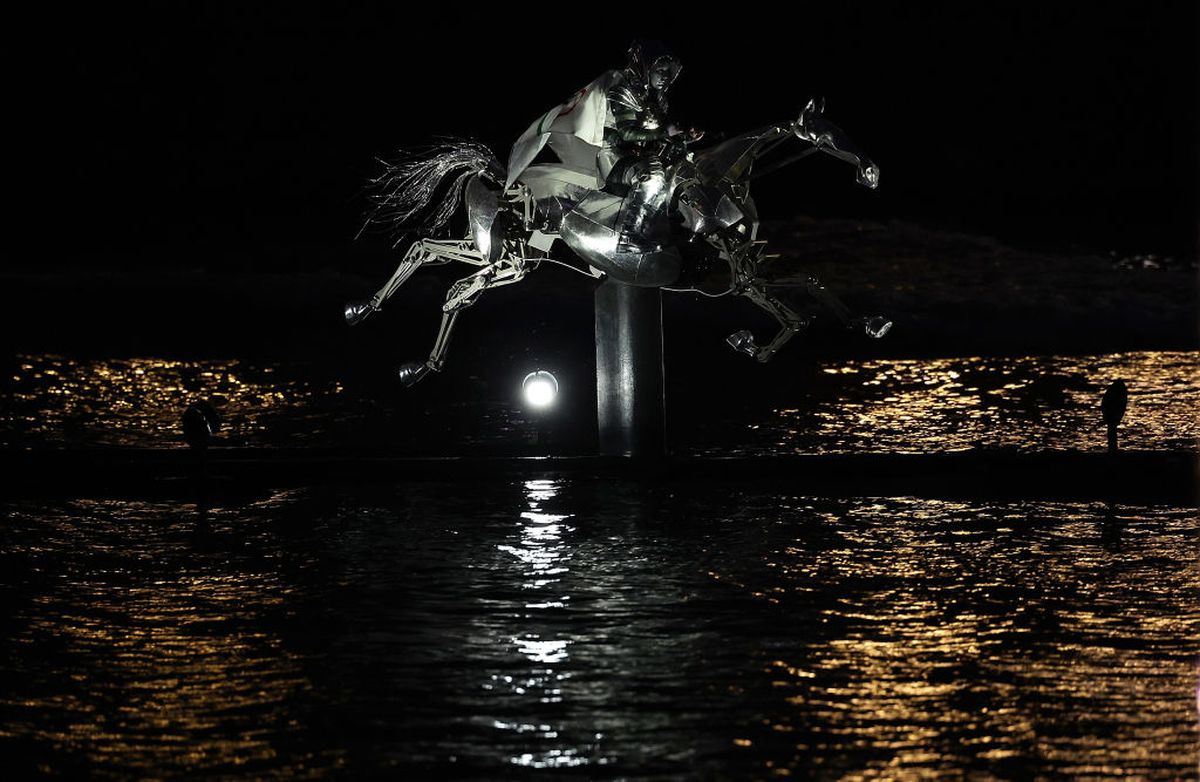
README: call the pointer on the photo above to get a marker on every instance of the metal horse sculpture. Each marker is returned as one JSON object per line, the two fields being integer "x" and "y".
{"x": 676, "y": 217}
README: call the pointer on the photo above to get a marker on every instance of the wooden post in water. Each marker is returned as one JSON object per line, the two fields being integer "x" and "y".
{"x": 630, "y": 409}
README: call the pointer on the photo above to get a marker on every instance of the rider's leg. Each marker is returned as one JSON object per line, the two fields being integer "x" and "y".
{"x": 618, "y": 179}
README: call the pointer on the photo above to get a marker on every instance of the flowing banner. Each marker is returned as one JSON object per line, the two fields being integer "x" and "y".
{"x": 581, "y": 117}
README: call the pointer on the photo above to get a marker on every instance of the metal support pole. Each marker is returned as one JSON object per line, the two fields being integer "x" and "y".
{"x": 629, "y": 370}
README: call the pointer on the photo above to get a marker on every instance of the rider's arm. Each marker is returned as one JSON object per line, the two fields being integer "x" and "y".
{"x": 630, "y": 118}
{"x": 632, "y": 130}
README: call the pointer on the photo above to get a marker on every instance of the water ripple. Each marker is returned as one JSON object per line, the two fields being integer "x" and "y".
{"x": 920, "y": 406}
{"x": 622, "y": 630}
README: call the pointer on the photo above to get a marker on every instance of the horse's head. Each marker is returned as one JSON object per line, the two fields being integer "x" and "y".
{"x": 812, "y": 126}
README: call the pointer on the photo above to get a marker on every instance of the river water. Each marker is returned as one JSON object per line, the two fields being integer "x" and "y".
{"x": 617, "y": 630}
{"x": 910, "y": 406}
{"x": 588, "y": 629}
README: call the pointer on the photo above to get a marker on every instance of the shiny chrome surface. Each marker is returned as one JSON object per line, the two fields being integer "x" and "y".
{"x": 617, "y": 630}
{"x": 743, "y": 342}
{"x": 695, "y": 206}
{"x": 630, "y": 404}
{"x": 815, "y": 128}
{"x": 589, "y": 227}
{"x": 626, "y": 237}
{"x": 731, "y": 160}
{"x": 482, "y": 205}
{"x": 622, "y": 162}
{"x": 357, "y": 311}
{"x": 411, "y": 372}
{"x": 876, "y": 326}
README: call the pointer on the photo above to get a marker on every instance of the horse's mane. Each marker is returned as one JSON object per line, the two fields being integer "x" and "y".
{"x": 404, "y": 195}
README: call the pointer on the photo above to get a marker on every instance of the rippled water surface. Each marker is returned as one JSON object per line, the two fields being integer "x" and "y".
{"x": 923, "y": 405}
{"x": 598, "y": 630}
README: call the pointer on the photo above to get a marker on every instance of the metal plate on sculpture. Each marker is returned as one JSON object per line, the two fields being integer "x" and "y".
{"x": 591, "y": 230}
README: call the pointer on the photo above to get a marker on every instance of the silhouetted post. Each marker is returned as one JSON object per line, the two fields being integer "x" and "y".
{"x": 1116, "y": 399}
{"x": 629, "y": 370}
{"x": 200, "y": 424}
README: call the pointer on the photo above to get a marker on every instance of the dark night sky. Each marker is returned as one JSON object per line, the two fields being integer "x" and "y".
{"x": 185, "y": 131}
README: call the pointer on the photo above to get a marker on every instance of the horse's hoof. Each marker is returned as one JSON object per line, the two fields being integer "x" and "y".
{"x": 876, "y": 326}
{"x": 357, "y": 311}
{"x": 412, "y": 372}
{"x": 743, "y": 342}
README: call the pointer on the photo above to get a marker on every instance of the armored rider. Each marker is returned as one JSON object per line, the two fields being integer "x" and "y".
{"x": 639, "y": 135}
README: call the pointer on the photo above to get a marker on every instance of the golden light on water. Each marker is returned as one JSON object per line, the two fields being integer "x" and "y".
{"x": 546, "y": 624}
{"x": 892, "y": 637}
{"x": 1031, "y": 403}
{"x": 905, "y": 406}
{"x": 937, "y": 641}
{"x": 138, "y": 401}
{"x": 175, "y": 671}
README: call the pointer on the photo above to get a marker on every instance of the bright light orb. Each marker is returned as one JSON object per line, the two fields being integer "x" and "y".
{"x": 540, "y": 388}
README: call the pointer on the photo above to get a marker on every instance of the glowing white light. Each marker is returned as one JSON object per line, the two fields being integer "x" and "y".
{"x": 540, "y": 388}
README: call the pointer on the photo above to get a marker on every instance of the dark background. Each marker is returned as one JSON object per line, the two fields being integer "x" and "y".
{"x": 241, "y": 134}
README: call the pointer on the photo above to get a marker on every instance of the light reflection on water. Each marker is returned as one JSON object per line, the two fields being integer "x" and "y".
{"x": 166, "y": 661}
{"x": 544, "y": 557}
{"x": 922, "y": 405}
{"x": 629, "y": 630}
{"x": 138, "y": 402}
{"x": 1029, "y": 403}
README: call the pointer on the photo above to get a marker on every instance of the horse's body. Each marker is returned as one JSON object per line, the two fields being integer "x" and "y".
{"x": 664, "y": 224}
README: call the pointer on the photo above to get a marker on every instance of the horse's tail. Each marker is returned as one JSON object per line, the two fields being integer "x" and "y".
{"x": 404, "y": 196}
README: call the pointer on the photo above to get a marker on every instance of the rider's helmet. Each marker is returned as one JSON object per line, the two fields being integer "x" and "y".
{"x": 654, "y": 64}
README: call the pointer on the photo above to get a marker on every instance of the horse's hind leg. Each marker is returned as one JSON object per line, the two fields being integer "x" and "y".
{"x": 357, "y": 311}
{"x": 461, "y": 295}
{"x": 423, "y": 252}
{"x": 413, "y": 371}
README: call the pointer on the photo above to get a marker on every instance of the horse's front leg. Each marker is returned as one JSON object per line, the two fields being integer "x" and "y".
{"x": 744, "y": 265}
{"x": 791, "y": 323}
{"x": 461, "y": 295}
{"x": 744, "y": 262}
{"x": 874, "y": 326}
